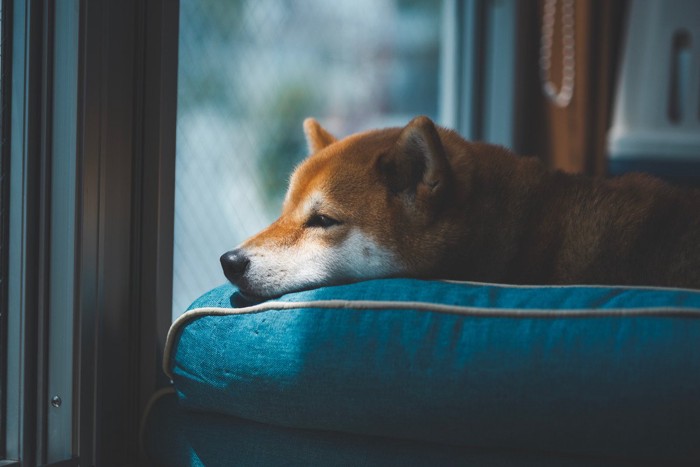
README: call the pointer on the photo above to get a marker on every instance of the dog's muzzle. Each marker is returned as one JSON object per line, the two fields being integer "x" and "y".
{"x": 235, "y": 263}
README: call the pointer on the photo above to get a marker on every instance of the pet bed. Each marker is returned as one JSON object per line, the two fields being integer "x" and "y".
{"x": 412, "y": 372}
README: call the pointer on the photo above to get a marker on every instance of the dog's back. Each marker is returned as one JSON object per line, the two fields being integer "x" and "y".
{"x": 555, "y": 228}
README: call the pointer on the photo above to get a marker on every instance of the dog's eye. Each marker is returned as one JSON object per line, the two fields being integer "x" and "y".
{"x": 319, "y": 220}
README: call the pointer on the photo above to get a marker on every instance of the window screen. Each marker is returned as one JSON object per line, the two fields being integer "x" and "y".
{"x": 249, "y": 73}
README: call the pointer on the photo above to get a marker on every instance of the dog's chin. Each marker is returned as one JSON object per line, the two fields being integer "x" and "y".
{"x": 245, "y": 294}
{"x": 244, "y": 297}
{"x": 256, "y": 295}
{"x": 250, "y": 292}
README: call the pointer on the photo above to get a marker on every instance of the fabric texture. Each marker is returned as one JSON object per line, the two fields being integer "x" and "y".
{"x": 599, "y": 372}
{"x": 174, "y": 437}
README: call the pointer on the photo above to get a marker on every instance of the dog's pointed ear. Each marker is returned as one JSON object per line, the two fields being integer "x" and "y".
{"x": 417, "y": 162}
{"x": 317, "y": 137}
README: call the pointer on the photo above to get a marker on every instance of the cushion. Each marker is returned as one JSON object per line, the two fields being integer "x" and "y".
{"x": 590, "y": 371}
{"x": 175, "y": 437}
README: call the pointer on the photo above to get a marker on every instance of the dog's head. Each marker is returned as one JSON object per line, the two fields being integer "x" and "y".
{"x": 366, "y": 206}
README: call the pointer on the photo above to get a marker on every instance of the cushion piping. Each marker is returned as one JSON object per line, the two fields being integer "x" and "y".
{"x": 565, "y": 286}
{"x": 544, "y": 313}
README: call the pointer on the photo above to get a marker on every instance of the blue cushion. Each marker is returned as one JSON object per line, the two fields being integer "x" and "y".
{"x": 592, "y": 371}
{"x": 174, "y": 437}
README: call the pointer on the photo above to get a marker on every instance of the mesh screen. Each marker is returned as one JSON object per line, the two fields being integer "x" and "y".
{"x": 249, "y": 73}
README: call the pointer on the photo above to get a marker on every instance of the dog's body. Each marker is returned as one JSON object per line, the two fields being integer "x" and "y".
{"x": 420, "y": 201}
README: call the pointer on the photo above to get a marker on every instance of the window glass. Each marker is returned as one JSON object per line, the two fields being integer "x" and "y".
{"x": 249, "y": 73}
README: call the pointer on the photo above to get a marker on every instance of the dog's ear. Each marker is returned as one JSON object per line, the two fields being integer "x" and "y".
{"x": 417, "y": 163}
{"x": 317, "y": 137}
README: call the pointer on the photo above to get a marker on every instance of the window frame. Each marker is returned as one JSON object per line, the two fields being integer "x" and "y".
{"x": 5, "y": 90}
{"x": 481, "y": 96}
{"x": 90, "y": 226}
{"x": 126, "y": 139}
{"x": 40, "y": 264}
{"x": 22, "y": 298}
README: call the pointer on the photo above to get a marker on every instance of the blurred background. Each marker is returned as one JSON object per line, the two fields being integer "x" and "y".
{"x": 249, "y": 73}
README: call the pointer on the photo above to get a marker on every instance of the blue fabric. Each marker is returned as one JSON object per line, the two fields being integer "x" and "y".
{"x": 474, "y": 295}
{"x": 180, "y": 438}
{"x": 609, "y": 385}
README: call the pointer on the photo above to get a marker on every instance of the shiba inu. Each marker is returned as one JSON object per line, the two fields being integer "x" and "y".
{"x": 421, "y": 201}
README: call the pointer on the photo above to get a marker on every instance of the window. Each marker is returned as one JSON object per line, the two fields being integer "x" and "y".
{"x": 249, "y": 73}
{"x": 87, "y": 172}
{"x": 38, "y": 230}
{"x": 3, "y": 223}
{"x": 251, "y": 70}
{"x": 86, "y": 206}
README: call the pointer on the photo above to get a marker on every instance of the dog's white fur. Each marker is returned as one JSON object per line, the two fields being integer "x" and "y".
{"x": 275, "y": 270}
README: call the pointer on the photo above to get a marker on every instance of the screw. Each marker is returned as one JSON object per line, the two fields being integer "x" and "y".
{"x": 56, "y": 401}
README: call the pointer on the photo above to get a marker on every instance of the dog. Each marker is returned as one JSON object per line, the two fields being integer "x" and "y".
{"x": 423, "y": 202}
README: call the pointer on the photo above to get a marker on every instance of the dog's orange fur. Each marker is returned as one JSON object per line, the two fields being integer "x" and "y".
{"x": 427, "y": 203}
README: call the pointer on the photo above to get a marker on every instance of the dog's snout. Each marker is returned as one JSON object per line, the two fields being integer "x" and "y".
{"x": 235, "y": 263}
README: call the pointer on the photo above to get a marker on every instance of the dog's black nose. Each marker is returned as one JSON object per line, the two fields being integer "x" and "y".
{"x": 234, "y": 263}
